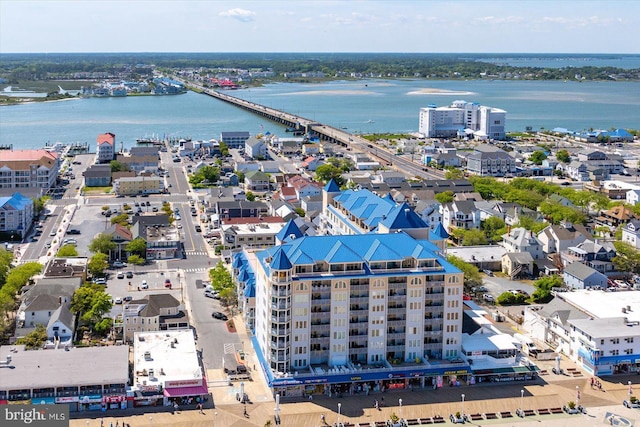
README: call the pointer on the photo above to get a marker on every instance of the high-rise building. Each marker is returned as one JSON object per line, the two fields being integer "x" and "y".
{"x": 462, "y": 118}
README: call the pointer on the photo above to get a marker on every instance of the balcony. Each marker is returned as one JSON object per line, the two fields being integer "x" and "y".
{"x": 279, "y": 292}
{"x": 320, "y": 322}
{"x": 281, "y": 345}
{"x": 284, "y": 305}
{"x": 280, "y": 319}
{"x": 276, "y": 332}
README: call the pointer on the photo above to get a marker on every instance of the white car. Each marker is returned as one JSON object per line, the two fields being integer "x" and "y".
{"x": 144, "y": 285}
{"x": 100, "y": 281}
{"x": 179, "y": 226}
{"x": 73, "y": 242}
{"x": 488, "y": 297}
{"x": 119, "y": 264}
{"x": 117, "y": 300}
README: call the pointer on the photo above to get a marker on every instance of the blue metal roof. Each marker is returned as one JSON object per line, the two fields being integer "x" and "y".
{"x": 289, "y": 229}
{"x": 332, "y": 186}
{"x": 439, "y": 233}
{"x": 280, "y": 261}
{"x": 16, "y": 201}
{"x": 250, "y": 289}
{"x": 349, "y": 249}
{"x": 403, "y": 216}
{"x": 365, "y": 205}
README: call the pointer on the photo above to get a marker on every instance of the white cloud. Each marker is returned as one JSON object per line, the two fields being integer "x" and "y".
{"x": 500, "y": 19}
{"x": 242, "y": 15}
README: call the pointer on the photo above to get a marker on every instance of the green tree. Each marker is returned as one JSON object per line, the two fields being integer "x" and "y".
{"x": 137, "y": 246}
{"x": 472, "y": 275}
{"x": 240, "y": 175}
{"x": 454, "y": 173}
{"x": 301, "y": 213}
{"x": 506, "y": 298}
{"x": 563, "y": 156}
{"x": 228, "y": 297}
{"x": 627, "y": 259}
{"x": 122, "y": 219}
{"x": 326, "y": 172}
{"x": 493, "y": 228}
{"x": 103, "y": 326}
{"x": 35, "y": 339}
{"x": 445, "y": 197}
{"x": 117, "y": 166}
{"x": 224, "y": 148}
{"x": 537, "y": 157}
{"x": 136, "y": 260}
{"x": 6, "y": 259}
{"x": 102, "y": 243}
{"x": 250, "y": 196}
{"x": 39, "y": 204}
{"x": 67, "y": 251}
{"x": 98, "y": 263}
{"x": 206, "y": 175}
{"x": 474, "y": 237}
{"x": 220, "y": 277}
{"x": 89, "y": 303}
{"x": 544, "y": 286}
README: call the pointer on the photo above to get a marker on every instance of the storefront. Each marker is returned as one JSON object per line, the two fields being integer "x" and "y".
{"x": 72, "y": 401}
{"x": 92, "y": 402}
{"x": 186, "y": 392}
{"x": 506, "y": 374}
{"x": 145, "y": 395}
{"x": 114, "y": 402}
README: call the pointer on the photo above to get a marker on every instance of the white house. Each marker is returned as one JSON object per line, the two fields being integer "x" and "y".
{"x": 631, "y": 233}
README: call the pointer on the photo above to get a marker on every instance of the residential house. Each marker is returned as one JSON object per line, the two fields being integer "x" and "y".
{"x": 488, "y": 160}
{"x": 310, "y": 148}
{"x": 444, "y": 160}
{"x": 23, "y": 169}
{"x": 140, "y": 163}
{"x": 229, "y": 179}
{"x": 631, "y": 233}
{"x": 97, "y": 176}
{"x": 391, "y": 178}
{"x": 255, "y": 148}
{"x": 121, "y": 236}
{"x": 16, "y": 215}
{"x": 154, "y": 312}
{"x": 588, "y": 155}
{"x": 633, "y": 196}
{"x": 615, "y": 217}
{"x": 596, "y": 255}
{"x": 240, "y": 209}
{"x": 234, "y": 139}
{"x": 65, "y": 268}
{"x": 311, "y": 163}
{"x": 521, "y": 240}
{"x": 251, "y": 232}
{"x": 305, "y": 187}
{"x": 106, "y": 147}
{"x": 60, "y": 328}
{"x": 513, "y": 214}
{"x": 558, "y": 238}
{"x": 144, "y": 151}
{"x": 460, "y": 214}
{"x": 580, "y": 276}
{"x": 256, "y": 181}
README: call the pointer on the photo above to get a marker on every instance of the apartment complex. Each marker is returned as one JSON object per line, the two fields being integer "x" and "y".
{"x": 462, "y": 118}
{"x": 129, "y": 186}
{"x": 343, "y": 303}
{"x": 106, "y": 147}
{"x": 488, "y": 160}
{"x": 28, "y": 169}
{"x": 16, "y": 214}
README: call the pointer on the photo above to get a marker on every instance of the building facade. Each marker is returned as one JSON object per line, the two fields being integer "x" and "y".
{"x": 16, "y": 214}
{"x": 106, "y": 147}
{"x": 339, "y": 303}
{"x": 28, "y": 169}
{"x": 138, "y": 185}
{"x": 447, "y": 122}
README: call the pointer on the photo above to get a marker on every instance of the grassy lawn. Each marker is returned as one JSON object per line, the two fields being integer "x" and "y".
{"x": 97, "y": 190}
{"x": 50, "y": 85}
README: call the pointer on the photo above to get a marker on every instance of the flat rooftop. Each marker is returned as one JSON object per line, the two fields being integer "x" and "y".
{"x": 171, "y": 354}
{"x": 605, "y": 305}
{"x": 57, "y": 368}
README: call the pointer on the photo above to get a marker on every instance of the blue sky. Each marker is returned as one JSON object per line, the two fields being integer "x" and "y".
{"x": 541, "y": 26}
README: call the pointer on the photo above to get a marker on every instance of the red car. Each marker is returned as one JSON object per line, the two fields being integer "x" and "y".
{"x": 167, "y": 283}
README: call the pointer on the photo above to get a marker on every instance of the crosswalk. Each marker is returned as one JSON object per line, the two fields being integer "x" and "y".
{"x": 196, "y": 253}
{"x": 229, "y": 348}
{"x": 195, "y": 270}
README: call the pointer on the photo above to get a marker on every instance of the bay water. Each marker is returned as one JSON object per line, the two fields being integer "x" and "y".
{"x": 358, "y": 106}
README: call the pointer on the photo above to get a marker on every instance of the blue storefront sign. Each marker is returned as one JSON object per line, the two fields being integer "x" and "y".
{"x": 43, "y": 401}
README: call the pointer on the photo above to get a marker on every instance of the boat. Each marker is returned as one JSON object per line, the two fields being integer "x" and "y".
{"x": 370, "y": 121}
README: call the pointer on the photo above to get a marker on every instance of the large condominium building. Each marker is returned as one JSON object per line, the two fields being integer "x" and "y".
{"x": 370, "y": 308}
{"x": 106, "y": 147}
{"x": 16, "y": 214}
{"x": 28, "y": 169}
{"x": 460, "y": 118}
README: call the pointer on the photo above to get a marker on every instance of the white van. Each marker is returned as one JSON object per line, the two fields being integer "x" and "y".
{"x": 524, "y": 344}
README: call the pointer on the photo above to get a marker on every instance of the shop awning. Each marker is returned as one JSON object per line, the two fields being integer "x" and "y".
{"x": 200, "y": 390}
{"x": 507, "y": 370}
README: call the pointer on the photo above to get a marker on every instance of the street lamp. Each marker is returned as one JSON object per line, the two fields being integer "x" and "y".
{"x": 150, "y": 421}
{"x": 339, "y": 407}
{"x": 463, "y": 406}
{"x": 521, "y": 401}
{"x": 215, "y": 419}
{"x": 400, "y": 403}
{"x": 630, "y": 390}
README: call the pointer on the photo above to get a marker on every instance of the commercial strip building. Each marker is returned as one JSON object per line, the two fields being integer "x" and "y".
{"x": 167, "y": 369}
{"x": 598, "y": 330}
{"x": 129, "y": 186}
{"x": 65, "y": 376}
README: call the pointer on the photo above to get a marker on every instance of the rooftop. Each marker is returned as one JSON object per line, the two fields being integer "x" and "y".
{"x": 605, "y": 305}
{"x": 50, "y": 368}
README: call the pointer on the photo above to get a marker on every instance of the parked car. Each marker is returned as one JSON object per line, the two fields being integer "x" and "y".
{"x": 167, "y": 283}
{"x": 198, "y": 229}
{"x": 488, "y": 297}
{"x": 479, "y": 289}
{"x": 70, "y": 242}
{"x": 129, "y": 275}
{"x": 73, "y": 231}
{"x": 211, "y": 294}
{"x": 100, "y": 281}
{"x": 144, "y": 285}
{"x": 631, "y": 403}
{"x": 488, "y": 272}
{"x": 127, "y": 298}
{"x": 117, "y": 300}
{"x": 120, "y": 275}
{"x": 119, "y": 264}
{"x": 219, "y": 315}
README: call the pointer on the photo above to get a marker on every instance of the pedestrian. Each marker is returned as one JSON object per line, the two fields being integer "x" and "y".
{"x": 175, "y": 406}
{"x": 245, "y": 411}
{"x": 101, "y": 422}
{"x": 592, "y": 382}
{"x": 311, "y": 397}
{"x": 322, "y": 419}
{"x": 200, "y": 408}
{"x": 117, "y": 423}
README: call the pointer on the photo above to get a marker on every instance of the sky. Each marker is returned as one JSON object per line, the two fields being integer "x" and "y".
{"x": 429, "y": 26}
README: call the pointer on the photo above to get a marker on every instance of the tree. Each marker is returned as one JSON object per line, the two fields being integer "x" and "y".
{"x": 301, "y": 213}
{"x": 39, "y": 204}
{"x": 117, "y": 166}
{"x": 136, "y": 260}
{"x": 6, "y": 258}
{"x": 445, "y": 197}
{"x": 206, "y": 175}
{"x": 224, "y": 148}
{"x": 250, "y": 196}
{"x": 544, "y": 286}
{"x": 228, "y": 297}
{"x": 537, "y": 157}
{"x": 137, "y": 246}
{"x": 122, "y": 219}
{"x": 563, "y": 156}
{"x": 98, "y": 263}
{"x": 327, "y": 172}
{"x": 220, "y": 277}
{"x": 493, "y": 228}
{"x": 454, "y": 173}
{"x": 89, "y": 303}
{"x": 102, "y": 243}
{"x": 67, "y": 251}
{"x": 472, "y": 275}
{"x": 474, "y": 237}
{"x": 35, "y": 339}
{"x": 627, "y": 258}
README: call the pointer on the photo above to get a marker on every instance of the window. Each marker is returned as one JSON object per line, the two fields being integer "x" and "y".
{"x": 614, "y": 352}
{"x": 615, "y": 341}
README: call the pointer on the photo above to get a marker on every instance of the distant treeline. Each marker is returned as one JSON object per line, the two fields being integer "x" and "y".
{"x": 392, "y": 65}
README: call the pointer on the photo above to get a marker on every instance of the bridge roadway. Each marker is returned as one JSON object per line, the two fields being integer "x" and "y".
{"x": 327, "y": 133}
